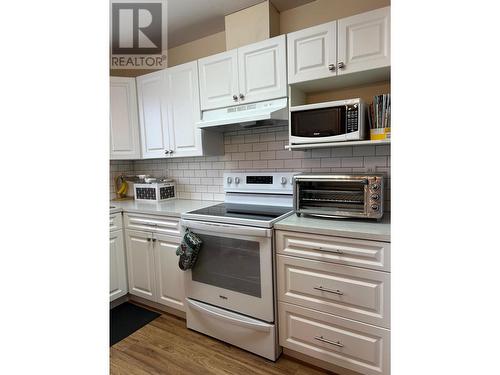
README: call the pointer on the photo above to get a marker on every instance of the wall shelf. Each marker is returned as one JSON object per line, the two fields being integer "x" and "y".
{"x": 337, "y": 144}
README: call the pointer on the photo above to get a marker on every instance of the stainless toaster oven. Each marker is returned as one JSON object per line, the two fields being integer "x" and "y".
{"x": 336, "y": 195}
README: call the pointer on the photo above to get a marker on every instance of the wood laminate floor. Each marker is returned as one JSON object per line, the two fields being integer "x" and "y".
{"x": 166, "y": 346}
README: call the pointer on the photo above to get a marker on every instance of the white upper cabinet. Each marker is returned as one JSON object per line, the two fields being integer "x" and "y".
{"x": 364, "y": 41}
{"x": 248, "y": 74}
{"x": 219, "y": 80}
{"x": 184, "y": 110}
{"x": 153, "y": 119}
{"x": 124, "y": 125}
{"x": 312, "y": 53}
{"x": 262, "y": 70}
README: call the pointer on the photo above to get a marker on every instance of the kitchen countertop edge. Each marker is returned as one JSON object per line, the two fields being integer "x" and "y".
{"x": 360, "y": 229}
{"x": 173, "y": 208}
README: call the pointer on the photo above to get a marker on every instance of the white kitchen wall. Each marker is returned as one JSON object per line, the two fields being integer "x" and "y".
{"x": 259, "y": 149}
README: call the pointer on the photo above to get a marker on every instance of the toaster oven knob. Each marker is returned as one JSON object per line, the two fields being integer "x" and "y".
{"x": 229, "y": 180}
{"x": 283, "y": 180}
{"x": 375, "y": 207}
{"x": 375, "y": 186}
{"x": 236, "y": 180}
{"x": 375, "y": 197}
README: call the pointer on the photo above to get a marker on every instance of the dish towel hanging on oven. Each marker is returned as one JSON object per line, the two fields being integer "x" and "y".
{"x": 188, "y": 250}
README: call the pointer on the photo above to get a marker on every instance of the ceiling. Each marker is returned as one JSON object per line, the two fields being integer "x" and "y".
{"x": 193, "y": 19}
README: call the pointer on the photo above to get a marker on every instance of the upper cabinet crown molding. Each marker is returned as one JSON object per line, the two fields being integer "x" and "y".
{"x": 248, "y": 74}
{"x": 352, "y": 44}
{"x": 124, "y": 125}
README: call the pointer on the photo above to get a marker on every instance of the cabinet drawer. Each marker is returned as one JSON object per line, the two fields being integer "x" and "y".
{"x": 152, "y": 223}
{"x": 357, "y": 346}
{"x": 352, "y": 252}
{"x": 350, "y": 292}
{"x": 115, "y": 221}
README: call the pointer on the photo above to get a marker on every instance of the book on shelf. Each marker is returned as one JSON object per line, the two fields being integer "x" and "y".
{"x": 379, "y": 114}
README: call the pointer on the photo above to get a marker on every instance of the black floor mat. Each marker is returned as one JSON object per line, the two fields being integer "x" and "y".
{"x": 127, "y": 318}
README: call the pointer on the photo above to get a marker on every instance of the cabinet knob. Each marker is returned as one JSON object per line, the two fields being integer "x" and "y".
{"x": 167, "y": 152}
{"x": 242, "y": 96}
{"x": 235, "y": 98}
{"x": 331, "y": 67}
{"x": 341, "y": 65}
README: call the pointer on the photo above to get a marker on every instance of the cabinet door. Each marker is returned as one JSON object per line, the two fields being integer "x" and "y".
{"x": 364, "y": 41}
{"x": 218, "y": 80}
{"x": 118, "y": 270}
{"x": 184, "y": 110}
{"x": 312, "y": 52}
{"x": 140, "y": 264}
{"x": 124, "y": 124}
{"x": 169, "y": 278}
{"x": 151, "y": 92}
{"x": 262, "y": 70}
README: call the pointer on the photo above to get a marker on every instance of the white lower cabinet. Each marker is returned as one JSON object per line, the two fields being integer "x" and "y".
{"x": 169, "y": 278}
{"x": 347, "y": 343}
{"x": 117, "y": 267}
{"x": 140, "y": 261}
{"x": 331, "y": 306}
{"x": 153, "y": 271}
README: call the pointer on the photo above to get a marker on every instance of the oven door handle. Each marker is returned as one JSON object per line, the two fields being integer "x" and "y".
{"x": 227, "y": 228}
{"x": 229, "y": 317}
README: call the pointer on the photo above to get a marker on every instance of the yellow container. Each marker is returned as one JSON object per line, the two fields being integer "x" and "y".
{"x": 380, "y": 134}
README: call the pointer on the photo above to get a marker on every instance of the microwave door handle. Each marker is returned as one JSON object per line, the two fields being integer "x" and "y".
{"x": 218, "y": 314}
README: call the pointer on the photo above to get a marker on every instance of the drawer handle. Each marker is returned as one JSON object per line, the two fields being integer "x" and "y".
{"x": 338, "y": 292}
{"x": 336, "y": 343}
{"x": 336, "y": 251}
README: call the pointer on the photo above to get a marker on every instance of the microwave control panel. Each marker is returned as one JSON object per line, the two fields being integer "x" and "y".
{"x": 352, "y": 123}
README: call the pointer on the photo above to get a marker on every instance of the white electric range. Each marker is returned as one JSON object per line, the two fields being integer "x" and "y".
{"x": 230, "y": 290}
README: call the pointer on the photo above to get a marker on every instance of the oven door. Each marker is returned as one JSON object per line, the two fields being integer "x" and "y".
{"x": 233, "y": 269}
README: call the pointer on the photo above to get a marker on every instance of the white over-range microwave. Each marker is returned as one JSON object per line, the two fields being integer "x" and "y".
{"x": 337, "y": 121}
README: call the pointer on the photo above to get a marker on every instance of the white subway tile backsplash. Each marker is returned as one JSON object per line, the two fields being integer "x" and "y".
{"x": 283, "y": 154}
{"x": 293, "y": 163}
{"x": 321, "y": 153}
{"x": 268, "y": 155}
{"x": 245, "y": 147}
{"x": 352, "y": 162}
{"x": 383, "y": 150}
{"x": 280, "y": 145}
{"x": 341, "y": 151}
{"x": 277, "y": 164}
{"x": 260, "y": 149}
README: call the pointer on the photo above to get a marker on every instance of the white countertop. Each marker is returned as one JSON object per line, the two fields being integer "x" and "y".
{"x": 363, "y": 229}
{"x": 173, "y": 207}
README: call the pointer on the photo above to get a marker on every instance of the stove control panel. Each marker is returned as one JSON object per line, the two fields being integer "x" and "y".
{"x": 259, "y": 182}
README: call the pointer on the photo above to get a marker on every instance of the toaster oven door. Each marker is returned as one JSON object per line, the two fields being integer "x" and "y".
{"x": 332, "y": 197}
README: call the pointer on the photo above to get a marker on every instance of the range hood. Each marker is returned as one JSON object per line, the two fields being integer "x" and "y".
{"x": 263, "y": 113}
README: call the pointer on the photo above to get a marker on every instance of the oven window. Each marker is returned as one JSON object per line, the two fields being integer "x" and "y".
{"x": 335, "y": 195}
{"x": 323, "y": 122}
{"x": 229, "y": 263}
